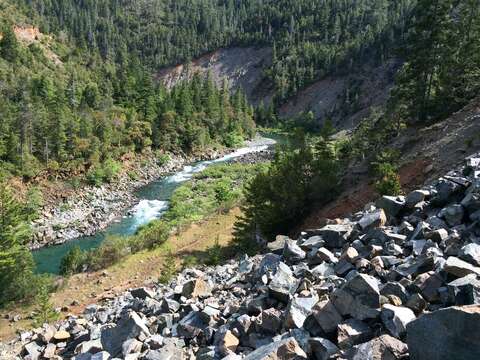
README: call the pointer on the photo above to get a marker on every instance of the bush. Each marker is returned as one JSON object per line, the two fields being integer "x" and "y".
{"x": 214, "y": 254}
{"x": 73, "y": 261}
{"x": 112, "y": 250}
{"x": 388, "y": 182}
{"x": 44, "y": 311}
{"x": 150, "y": 236}
{"x": 169, "y": 269}
{"x": 95, "y": 176}
{"x": 107, "y": 172}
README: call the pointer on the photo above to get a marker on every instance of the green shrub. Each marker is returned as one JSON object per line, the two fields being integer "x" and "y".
{"x": 169, "y": 269}
{"x": 150, "y": 236}
{"x": 388, "y": 182}
{"x": 34, "y": 203}
{"x": 189, "y": 261}
{"x": 44, "y": 311}
{"x": 214, "y": 254}
{"x": 111, "y": 169}
{"x": 95, "y": 176}
{"x": 73, "y": 261}
{"x": 112, "y": 250}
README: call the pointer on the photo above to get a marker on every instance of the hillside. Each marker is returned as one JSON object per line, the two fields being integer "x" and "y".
{"x": 381, "y": 284}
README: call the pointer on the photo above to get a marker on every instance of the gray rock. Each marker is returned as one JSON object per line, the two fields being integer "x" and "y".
{"x": 102, "y": 355}
{"x": 128, "y": 327}
{"x": 131, "y": 346}
{"x": 471, "y": 254}
{"x": 471, "y": 201}
{"x": 313, "y": 242}
{"x": 269, "y": 264}
{"x": 427, "y": 284}
{"x": 396, "y": 318}
{"x": 283, "y": 284}
{"x": 335, "y": 235}
{"x": 417, "y": 303}
{"x": 392, "y": 205}
{"x": 466, "y": 290}
{"x": 327, "y": 316}
{"x": 460, "y": 268}
{"x": 452, "y": 333}
{"x": 196, "y": 288}
{"x": 287, "y": 349}
{"x": 324, "y": 254}
{"x": 445, "y": 189}
{"x": 292, "y": 252}
{"x": 453, "y": 214}
{"x": 373, "y": 220}
{"x": 353, "y": 332}
{"x": 278, "y": 245}
{"x": 415, "y": 197}
{"x": 192, "y": 324}
{"x": 437, "y": 235}
{"x": 322, "y": 349}
{"x": 395, "y": 288}
{"x": 359, "y": 297}
{"x": 33, "y": 350}
{"x": 269, "y": 321}
{"x": 142, "y": 293}
{"x": 383, "y": 347}
{"x": 298, "y": 310}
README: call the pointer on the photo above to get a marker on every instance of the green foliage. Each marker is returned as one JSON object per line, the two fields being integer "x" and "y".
{"x": 34, "y": 203}
{"x": 277, "y": 198}
{"x": 17, "y": 281}
{"x": 442, "y": 69}
{"x": 151, "y": 236}
{"x": 44, "y": 311}
{"x": 214, "y": 254}
{"x": 169, "y": 269}
{"x": 9, "y": 47}
{"x": 104, "y": 173}
{"x": 72, "y": 262}
{"x": 189, "y": 261}
{"x": 385, "y": 172}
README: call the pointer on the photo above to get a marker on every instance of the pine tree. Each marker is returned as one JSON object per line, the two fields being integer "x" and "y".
{"x": 9, "y": 48}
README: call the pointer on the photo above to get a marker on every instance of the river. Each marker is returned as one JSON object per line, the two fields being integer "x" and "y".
{"x": 153, "y": 201}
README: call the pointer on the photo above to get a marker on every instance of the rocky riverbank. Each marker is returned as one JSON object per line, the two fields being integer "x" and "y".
{"x": 399, "y": 280}
{"x": 92, "y": 209}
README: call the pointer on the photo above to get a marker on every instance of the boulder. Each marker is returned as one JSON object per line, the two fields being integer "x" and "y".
{"x": 427, "y": 284}
{"x": 460, "y": 268}
{"x": 392, "y": 205}
{"x": 283, "y": 284}
{"x": 465, "y": 291}
{"x": 327, "y": 316}
{"x": 321, "y": 349}
{"x": 196, "y": 288}
{"x": 396, "y": 318}
{"x": 452, "y": 333}
{"x": 292, "y": 253}
{"x": 353, "y": 332}
{"x": 372, "y": 220}
{"x": 269, "y": 321}
{"x": 142, "y": 293}
{"x": 471, "y": 254}
{"x": 335, "y": 235}
{"x": 359, "y": 297}
{"x": 298, "y": 310}
{"x": 286, "y": 349}
{"x": 192, "y": 324}
{"x": 453, "y": 214}
{"x": 129, "y": 326}
{"x": 383, "y": 347}
{"x": 415, "y": 197}
{"x": 313, "y": 242}
{"x": 278, "y": 245}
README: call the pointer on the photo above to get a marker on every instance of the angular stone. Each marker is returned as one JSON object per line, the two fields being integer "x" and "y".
{"x": 131, "y": 346}
{"x": 322, "y": 349}
{"x": 102, "y": 355}
{"x": 269, "y": 264}
{"x": 359, "y": 297}
{"x": 438, "y": 235}
{"x": 287, "y": 349}
{"x": 453, "y": 214}
{"x": 327, "y": 316}
{"x": 396, "y": 318}
{"x": 326, "y": 255}
{"x": 298, "y": 310}
{"x": 395, "y": 288}
{"x": 415, "y": 197}
{"x": 196, "y": 288}
{"x": 417, "y": 303}
{"x": 192, "y": 325}
{"x": 471, "y": 254}
{"x": 142, "y": 293}
{"x": 283, "y": 284}
{"x": 61, "y": 335}
{"x": 278, "y": 245}
{"x": 335, "y": 235}
{"x": 292, "y": 252}
{"x": 313, "y": 242}
{"x": 49, "y": 352}
{"x": 392, "y": 205}
{"x": 384, "y": 347}
{"x": 372, "y": 220}
{"x": 33, "y": 350}
{"x": 471, "y": 201}
{"x": 128, "y": 327}
{"x": 427, "y": 284}
{"x": 269, "y": 321}
{"x": 452, "y": 333}
{"x": 353, "y": 332}
{"x": 323, "y": 270}
{"x": 460, "y": 268}
{"x": 466, "y": 290}
{"x": 228, "y": 342}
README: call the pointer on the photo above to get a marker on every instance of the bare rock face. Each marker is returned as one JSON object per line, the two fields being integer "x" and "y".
{"x": 452, "y": 333}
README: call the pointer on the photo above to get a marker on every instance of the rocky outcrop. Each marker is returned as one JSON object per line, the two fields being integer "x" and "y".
{"x": 391, "y": 286}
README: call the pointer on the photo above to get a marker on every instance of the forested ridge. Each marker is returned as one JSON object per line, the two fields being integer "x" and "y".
{"x": 310, "y": 38}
